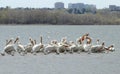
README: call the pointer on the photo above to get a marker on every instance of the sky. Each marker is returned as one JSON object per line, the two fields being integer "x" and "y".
{"x": 50, "y": 3}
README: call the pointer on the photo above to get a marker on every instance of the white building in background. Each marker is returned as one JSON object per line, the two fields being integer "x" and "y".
{"x": 114, "y": 8}
{"x": 59, "y": 5}
{"x": 76, "y": 5}
{"x": 81, "y": 7}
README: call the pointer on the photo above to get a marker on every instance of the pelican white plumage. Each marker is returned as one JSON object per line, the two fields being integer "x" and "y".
{"x": 78, "y": 41}
{"x": 9, "y": 48}
{"x": 20, "y": 48}
{"x": 64, "y": 45}
{"x": 53, "y": 47}
{"x": 110, "y": 48}
{"x": 98, "y": 48}
{"x": 38, "y": 47}
{"x": 80, "y": 48}
{"x": 72, "y": 47}
{"x": 87, "y": 47}
{"x": 29, "y": 46}
{"x": 80, "y": 45}
{"x": 84, "y": 46}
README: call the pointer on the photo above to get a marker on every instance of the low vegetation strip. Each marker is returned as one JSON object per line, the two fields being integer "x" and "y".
{"x": 51, "y": 16}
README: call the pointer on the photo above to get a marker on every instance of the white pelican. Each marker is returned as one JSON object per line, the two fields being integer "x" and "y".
{"x": 80, "y": 42}
{"x": 80, "y": 48}
{"x": 88, "y": 44}
{"x": 72, "y": 47}
{"x": 98, "y": 48}
{"x": 32, "y": 41}
{"x": 20, "y": 48}
{"x": 64, "y": 45}
{"x": 29, "y": 46}
{"x": 87, "y": 47}
{"x": 85, "y": 36}
{"x": 53, "y": 47}
{"x": 80, "y": 45}
{"x": 110, "y": 48}
{"x": 37, "y": 47}
{"x": 9, "y": 48}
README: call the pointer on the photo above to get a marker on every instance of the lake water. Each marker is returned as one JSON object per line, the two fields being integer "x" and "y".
{"x": 108, "y": 34}
{"x": 61, "y": 64}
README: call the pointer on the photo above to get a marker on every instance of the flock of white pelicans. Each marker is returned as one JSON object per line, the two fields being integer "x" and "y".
{"x": 82, "y": 44}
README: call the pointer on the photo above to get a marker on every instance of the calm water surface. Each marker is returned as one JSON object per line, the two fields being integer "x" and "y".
{"x": 109, "y": 34}
{"x": 61, "y": 64}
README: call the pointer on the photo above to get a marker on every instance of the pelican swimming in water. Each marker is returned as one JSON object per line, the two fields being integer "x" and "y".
{"x": 52, "y": 47}
{"x": 84, "y": 46}
{"x": 72, "y": 47}
{"x": 29, "y": 46}
{"x": 80, "y": 45}
{"x": 37, "y": 47}
{"x": 20, "y": 48}
{"x": 9, "y": 48}
{"x": 88, "y": 45}
{"x": 98, "y": 48}
{"x": 84, "y": 43}
{"x": 110, "y": 48}
{"x": 64, "y": 46}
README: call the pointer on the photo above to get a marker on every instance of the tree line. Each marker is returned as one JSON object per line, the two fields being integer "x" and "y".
{"x": 58, "y": 17}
